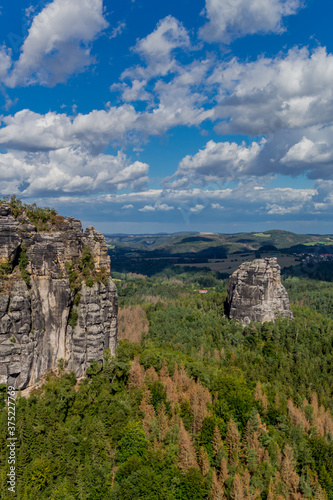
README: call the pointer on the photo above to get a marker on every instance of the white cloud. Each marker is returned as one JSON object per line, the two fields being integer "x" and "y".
{"x": 127, "y": 207}
{"x": 157, "y": 48}
{"x": 248, "y": 201}
{"x": 164, "y": 207}
{"x": 69, "y": 170}
{"x": 58, "y": 43}
{"x": 261, "y": 97}
{"x": 228, "y": 20}
{"x": 118, "y": 29}
{"x": 147, "y": 208}
{"x": 308, "y": 152}
{"x": 133, "y": 92}
{"x": 216, "y": 162}
{"x": 197, "y": 208}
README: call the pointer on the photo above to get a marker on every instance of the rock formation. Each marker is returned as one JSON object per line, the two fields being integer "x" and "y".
{"x": 255, "y": 292}
{"x": 57, "y": 299}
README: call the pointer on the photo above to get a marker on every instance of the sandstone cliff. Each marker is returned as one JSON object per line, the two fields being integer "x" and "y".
{"x": 57, "y": 299}
{"x": 255, "y": 292}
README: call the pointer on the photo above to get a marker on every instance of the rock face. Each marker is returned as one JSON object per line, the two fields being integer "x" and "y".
{"x": 57, "y": 299}
{"x": 255, "y": 292}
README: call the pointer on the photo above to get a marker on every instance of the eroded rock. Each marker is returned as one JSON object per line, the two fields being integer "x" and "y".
{"x": 255, "y": 292}
{"x": 35, "y": 308}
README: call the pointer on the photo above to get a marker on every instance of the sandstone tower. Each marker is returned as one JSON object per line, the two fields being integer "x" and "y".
{"x": 255, "y": 292}
{"x": 57, "y": 299}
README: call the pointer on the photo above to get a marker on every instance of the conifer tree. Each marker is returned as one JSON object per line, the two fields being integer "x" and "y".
{"x": 151, "y": 375}
{"x": 217, "y": 441}
{"x": 163, "y": 422}
{"x": 136, "y": 374}
{"x": 237, "y": 492}
{"x": 164, "y": 372}
{"x": 289, "y": 476}
{"x": 216, "y": 490}
{"x": 148, "y": 411}
{"x": 233, "y": 443}
{"x": 203, "y": 461}
{"x": 186, "y": 456}
{"x": 224, "y": 472}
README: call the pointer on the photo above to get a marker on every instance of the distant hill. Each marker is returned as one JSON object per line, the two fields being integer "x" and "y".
{"x": 180, "y": 243}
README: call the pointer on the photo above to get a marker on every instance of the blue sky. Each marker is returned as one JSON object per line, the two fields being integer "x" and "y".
{"x": 144, "y": 116}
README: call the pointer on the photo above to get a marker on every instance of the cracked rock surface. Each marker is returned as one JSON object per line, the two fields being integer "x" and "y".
{"x": 34, "y": 329}
{"x": 255, "y": 292}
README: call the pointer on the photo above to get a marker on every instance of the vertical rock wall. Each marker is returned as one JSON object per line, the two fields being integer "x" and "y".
{"x": 34, "y": 312}
{"x": 255, "y": 292}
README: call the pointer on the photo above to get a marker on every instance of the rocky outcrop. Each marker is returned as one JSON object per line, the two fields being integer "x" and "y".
{"x": 255, "y": 292}
{"x": 57, "y": 299}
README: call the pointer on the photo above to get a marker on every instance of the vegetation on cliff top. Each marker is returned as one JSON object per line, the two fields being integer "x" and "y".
{"x": 43, "y": 218}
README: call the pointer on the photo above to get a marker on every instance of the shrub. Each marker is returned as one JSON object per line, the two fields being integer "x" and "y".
{"x": 73, "y": 317}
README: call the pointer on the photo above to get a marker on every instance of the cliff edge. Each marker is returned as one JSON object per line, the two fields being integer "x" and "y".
{"x": 255, "y": 292}
{"x": 57, "y": 299}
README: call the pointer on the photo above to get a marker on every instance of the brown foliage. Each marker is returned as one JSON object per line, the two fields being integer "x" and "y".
{"x": 233, "y": 443}
{"x": 297, "y": 416}
{"x": 289, "y": 476}
{"x": 261, "y": 397}
{"x": 203, "y": 461}
{"x": 199, "y": 398}
{"x": 164, "y": 372}
{"x": 132, "y": 323}
{"x": 148, "y": 411}
{"x": 237, "y": 492}
{"x": 186, "y": 457}
{"x": 163, "y": 422}
{"x": 151, "y": 375}
{"x": 217, "y": 441}
{"x": 216, "y": 490}
{"x": 224, "y": 473}
{"x": 136, "y": 374}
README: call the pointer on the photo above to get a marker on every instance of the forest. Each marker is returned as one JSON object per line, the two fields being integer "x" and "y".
{"x": 192, "y": 407}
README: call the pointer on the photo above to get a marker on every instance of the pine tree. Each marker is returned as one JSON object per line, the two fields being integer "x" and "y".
{"x": 216, "y": 490}
{"x": 148, "y": 411}
{"x": 199, "y": 397}
{"x": 164, "y": 372}
{"x": 151, "y": 375}
{"x": 163, "y": 422}
{"x": 237, "y": 492}
{"x": 217, "y": 441}
{"x": 203, "y": 461}
{"x": 289, "y": 476}
{"x": 186, "y": 456}
{"x": 224, "y": 472}
{"x": 136, "y": 374}
{"x": 233, "y": 443}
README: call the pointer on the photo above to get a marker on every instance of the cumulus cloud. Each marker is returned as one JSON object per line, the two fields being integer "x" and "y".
{"x": 228, "y": 20}
{"x": 216, "y": 162}
{"x": 58, "y": 43}
{"x": 147, "y": 208}
{"x": 69, "y": 170}
{"x": 248, "y": 199}
{"x": 157, "y": 48}
{"x": 270, "y": 94}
